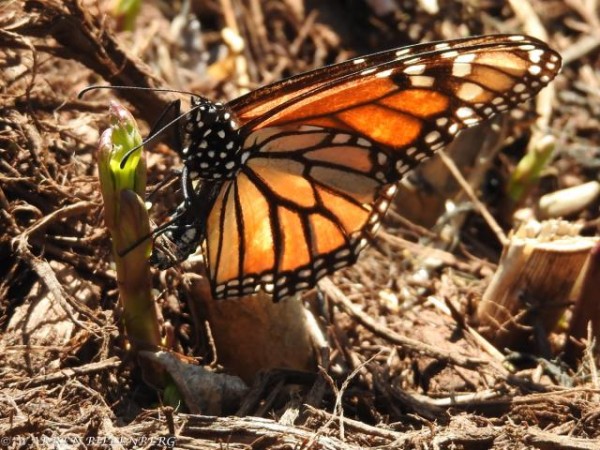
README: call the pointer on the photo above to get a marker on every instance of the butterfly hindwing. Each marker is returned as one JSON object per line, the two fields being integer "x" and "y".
{"x": 301, "y": 208}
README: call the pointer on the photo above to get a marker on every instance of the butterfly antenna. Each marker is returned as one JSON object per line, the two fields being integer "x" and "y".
{"x": 131, "y": 88}
{"x": 168, "y": 179}
{"x": 157, "y": 133}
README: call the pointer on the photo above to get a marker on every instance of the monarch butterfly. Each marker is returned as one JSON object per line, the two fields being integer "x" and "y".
{"x": 295, "y": 176}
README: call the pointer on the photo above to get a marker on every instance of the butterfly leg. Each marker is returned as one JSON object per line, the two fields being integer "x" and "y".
{"x": 174, "y": 174}
{"x": 186, "y": 228}
{"x": 179, "y": 236}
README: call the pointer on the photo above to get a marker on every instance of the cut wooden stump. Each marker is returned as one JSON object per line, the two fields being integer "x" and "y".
{"x": 532, "y": 288}
{"x": 586, "y": 311}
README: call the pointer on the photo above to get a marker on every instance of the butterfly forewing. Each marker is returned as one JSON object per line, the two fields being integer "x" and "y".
{"x": 321, "y": 152}
{"x": 261, "y": 103}
{"x": 418, "y": 104}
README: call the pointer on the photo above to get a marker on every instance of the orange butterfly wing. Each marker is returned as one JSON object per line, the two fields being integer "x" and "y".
{"x": 285, "y": 221}
{"x": 322, "y": 151}
{"x": 260, "y": 103}
{"x": 398, "y": 103}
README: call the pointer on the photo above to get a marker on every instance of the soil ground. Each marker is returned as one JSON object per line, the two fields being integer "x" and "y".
{"x": 407, "y": 366}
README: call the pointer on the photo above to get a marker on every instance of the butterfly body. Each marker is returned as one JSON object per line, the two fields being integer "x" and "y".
{"x": 211, "y": 147}
{"x": 295, "y": 177}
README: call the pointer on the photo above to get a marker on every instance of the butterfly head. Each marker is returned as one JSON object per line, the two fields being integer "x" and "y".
{"x": 211, "y": 141}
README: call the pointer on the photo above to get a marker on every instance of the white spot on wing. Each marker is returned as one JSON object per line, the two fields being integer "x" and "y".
{"x": 450, "y": 54}
{"x": 321, "y": 273}
{"x": 363, "y": 142}
{"x": 535, "y": 56}
{"x": 432, "y": 137}
{"x": 422, "y": 81}
{"x": 304, "y": 273}
{"x": 310, "y": 128}
{"x": 340, "y": 264}
{"x": 385, "y": 73}
{"x": 417, "y": 69}
{"x": 469, "y": 91}
{"x": 464, "y": 112}
{"x": 413, "y": 60}
{"x": 341, "y": 138}
{"x": 465, "y": 58}
{"x": 401, "y": 167}
{"x": 344, "y": 253}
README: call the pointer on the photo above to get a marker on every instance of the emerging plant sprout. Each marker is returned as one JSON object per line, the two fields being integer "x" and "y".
{"x": 123, "y": 187}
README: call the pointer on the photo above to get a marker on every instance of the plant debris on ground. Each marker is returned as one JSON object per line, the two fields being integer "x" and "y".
{"x": 407, "y": 365}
